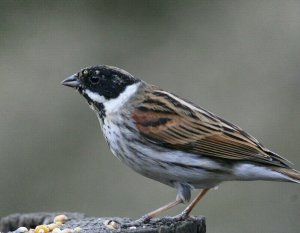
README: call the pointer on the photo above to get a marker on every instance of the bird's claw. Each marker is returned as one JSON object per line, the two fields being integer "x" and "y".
{"x": 177, "y": 218}
{"x": 182, "y": 216}
{"x": 146, "y": 219}
{"x": 136, "y": 223}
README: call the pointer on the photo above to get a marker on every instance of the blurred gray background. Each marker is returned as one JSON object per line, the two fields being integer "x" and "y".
{"x": 238, "y": 59}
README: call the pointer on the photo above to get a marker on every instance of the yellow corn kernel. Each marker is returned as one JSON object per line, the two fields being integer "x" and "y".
{"x": 41, "y": 229}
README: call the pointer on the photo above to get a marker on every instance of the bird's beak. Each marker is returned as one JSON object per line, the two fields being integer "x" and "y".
{"x": 71, "y": 81}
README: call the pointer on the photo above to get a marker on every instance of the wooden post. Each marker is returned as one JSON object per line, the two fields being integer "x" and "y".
{"x": 101, "y": 225}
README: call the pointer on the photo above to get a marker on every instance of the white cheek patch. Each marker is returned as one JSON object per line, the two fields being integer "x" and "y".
{"x": 95, "y": 96}
{"x": 113, "y": 105}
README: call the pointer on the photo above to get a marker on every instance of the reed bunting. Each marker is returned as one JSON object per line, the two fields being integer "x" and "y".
{"x": 169, "y": 139}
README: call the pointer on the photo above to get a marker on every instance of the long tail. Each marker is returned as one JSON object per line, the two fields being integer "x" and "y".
{"x": 292, "y": 174}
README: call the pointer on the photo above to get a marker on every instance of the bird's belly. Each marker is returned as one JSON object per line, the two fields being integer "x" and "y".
{"x": 167, "y": 166}
{"x": 170, "y": 174}
{"x": 161, "y": 164}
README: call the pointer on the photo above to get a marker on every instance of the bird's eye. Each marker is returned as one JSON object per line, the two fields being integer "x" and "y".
{"x": 94, "y": 80}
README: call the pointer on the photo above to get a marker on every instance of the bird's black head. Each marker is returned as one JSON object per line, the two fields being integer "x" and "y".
{"x": 99, "y": 84}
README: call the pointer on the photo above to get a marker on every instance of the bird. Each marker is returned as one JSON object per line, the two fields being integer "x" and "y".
{"x": 171, "y": 140}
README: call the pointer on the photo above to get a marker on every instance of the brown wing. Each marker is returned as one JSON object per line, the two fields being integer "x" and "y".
{"x": 168, "y": 120}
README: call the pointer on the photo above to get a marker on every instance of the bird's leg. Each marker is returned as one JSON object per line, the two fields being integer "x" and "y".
{"x": 184, "y": 214}
{"x": 158, "y": 211}
{"x": 146, "y": 218}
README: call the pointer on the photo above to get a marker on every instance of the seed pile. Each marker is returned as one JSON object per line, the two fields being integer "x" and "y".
{"x": 52, "y": 227}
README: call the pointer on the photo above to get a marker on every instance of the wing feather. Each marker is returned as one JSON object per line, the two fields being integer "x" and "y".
{"x": 168, "y": 120}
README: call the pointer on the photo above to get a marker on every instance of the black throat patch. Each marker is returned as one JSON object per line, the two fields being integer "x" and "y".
{"x": 101, "y": 110}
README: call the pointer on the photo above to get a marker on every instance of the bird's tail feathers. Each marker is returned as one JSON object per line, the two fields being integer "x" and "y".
{"x": 291, "y": 174}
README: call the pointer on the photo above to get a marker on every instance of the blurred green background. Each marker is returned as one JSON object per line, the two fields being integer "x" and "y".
{"x": 238, "y": 59}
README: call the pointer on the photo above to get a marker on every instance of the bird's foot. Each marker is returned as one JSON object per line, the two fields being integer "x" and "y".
{"x": 136, "y": 223}
{"x": 182, "y": 216}
{"x": 146, "y": 219}
{"x": 177, "y": 218}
